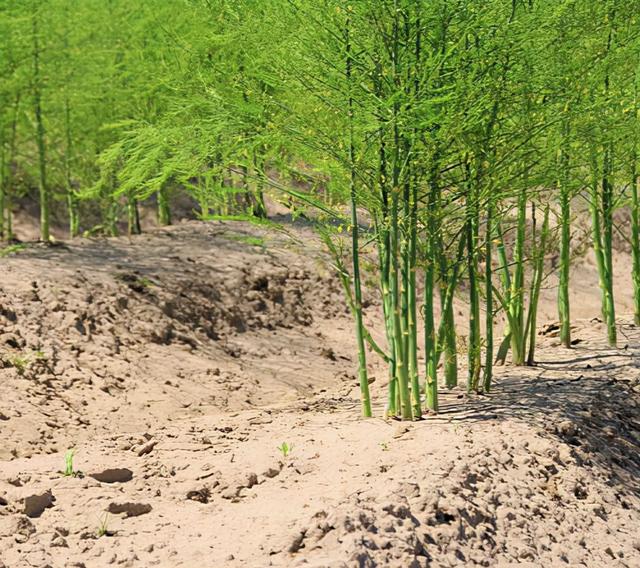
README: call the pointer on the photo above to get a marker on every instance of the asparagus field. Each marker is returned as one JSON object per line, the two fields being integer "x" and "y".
{"x": 319, "y": 283}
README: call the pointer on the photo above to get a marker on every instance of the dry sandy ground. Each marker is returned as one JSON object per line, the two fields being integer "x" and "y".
{"x": 176, "y": 363}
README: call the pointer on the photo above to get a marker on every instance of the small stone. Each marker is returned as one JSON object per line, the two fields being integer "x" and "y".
{"x": 59, "y": 541}
{"x": 297, "y": 542}
{"x": 252, "y": 479}
{"x": 567, "y": 428}
{"x": 231, "y": 492}
{"x": 271, "y": 472}
{"x": 202, "y": 495}
{"x": 146, "y": 448}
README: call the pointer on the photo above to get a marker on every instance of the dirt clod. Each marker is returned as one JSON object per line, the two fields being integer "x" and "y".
{"x": 129, "y": 509}
{"x": 35, "y": 505}
{"x": 202, "y": 495}
{"x": 113, "y": 475}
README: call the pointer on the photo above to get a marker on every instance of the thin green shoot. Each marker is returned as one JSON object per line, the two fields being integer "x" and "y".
{"x": 68, "y": 463}
{"x": 20, "y": 363}
{"x": 69, "y": 470}
{"x": 103, "y": 527}
{"x": 285, "y": 449}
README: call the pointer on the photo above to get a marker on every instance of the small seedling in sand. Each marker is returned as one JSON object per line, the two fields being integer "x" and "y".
{"x": 384, "y": 446}
{"x": 103, "y": 527}
{"x": 20, "y": 363}
{"x": 285, "y": 449}
{"x": 68, "y": 463}
{"x": 69, "y": 470}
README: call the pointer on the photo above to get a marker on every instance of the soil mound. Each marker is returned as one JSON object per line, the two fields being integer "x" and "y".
{"x": 92, "y": 331}
{"x": 204, "y": 376}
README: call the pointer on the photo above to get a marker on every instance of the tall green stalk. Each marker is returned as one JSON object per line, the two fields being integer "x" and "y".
{"x": 471, "y": 229}
{"x": 3, "y": 179}
{"x": 450, "y": 364}
{"x": 565, "y": 242}
{"x": 412, "y": 313}
{"x": 635, "y": 242}
{"x": 430, "y": 340}
{"x": 400, "y": 339}
{"x": 635, "y": 213}
{"x": 259, "y": 208}
{"x": 72, "y": 200}
{"x": 536, "y": 286}
{"x": 164, "y": 209}
{"x": 384, "y": 249}
{"x": 596, "y": 229}
{"x": 8, "y": 180}
{"x": 607, "y": 206}
{"x": 133, "y": 216}
{"x": 430, "y": 351}
{"x": 412, "y": 253}
{"x": 40, "y": 134}
{"x": 355, "y": 247}
{"x": 516, "y": 294}
{"x": 488, "y": 276}
{"x": 607, "y": 244}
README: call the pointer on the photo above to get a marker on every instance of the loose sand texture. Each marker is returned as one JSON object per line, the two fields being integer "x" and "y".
{"x": 177, "y": 362}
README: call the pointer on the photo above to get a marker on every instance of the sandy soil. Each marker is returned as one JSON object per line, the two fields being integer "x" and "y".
{"x": 177, "y": 362}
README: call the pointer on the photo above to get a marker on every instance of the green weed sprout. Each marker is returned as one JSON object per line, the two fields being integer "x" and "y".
{"x": 69, "y": 470}
{"x": 103, "y": 527}
{"x": 68, "y": 463}
{"x": 20, "y": 363}
{"x": 285, "y": 449}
